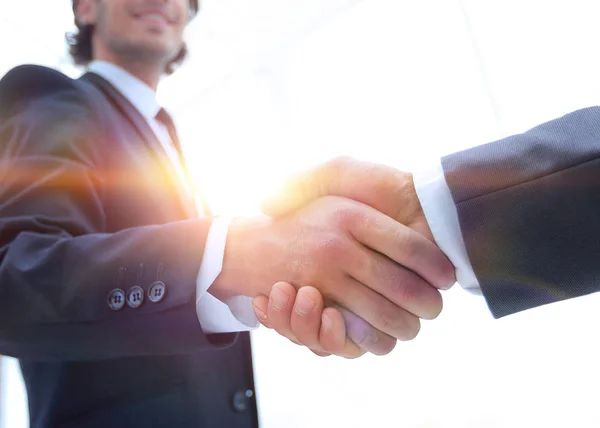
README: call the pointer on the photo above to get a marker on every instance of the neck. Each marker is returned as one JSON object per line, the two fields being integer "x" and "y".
{"x": 148, "y": 73}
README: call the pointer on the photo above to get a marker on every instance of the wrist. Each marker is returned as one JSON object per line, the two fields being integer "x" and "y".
{"x": 240, "y": 273}
{"x": 412, "y": 214}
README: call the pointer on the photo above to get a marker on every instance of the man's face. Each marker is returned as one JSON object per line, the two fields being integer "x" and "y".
{"x": 146, "y": 30}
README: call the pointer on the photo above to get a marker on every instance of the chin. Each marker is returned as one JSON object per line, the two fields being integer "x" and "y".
{"x": 155, "y": 47}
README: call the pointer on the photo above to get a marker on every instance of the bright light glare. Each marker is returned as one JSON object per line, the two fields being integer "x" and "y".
{"x": 273, "y": 86}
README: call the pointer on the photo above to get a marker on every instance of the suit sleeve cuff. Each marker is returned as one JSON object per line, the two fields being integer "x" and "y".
{"x": 216, "y": 316}
{"x": 437, "y": 203}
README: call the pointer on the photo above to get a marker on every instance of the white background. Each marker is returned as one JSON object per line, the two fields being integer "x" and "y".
{"x": 276, "y": 85}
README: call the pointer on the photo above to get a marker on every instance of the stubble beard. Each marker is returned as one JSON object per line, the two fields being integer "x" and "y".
{"x": 133, "y": 52}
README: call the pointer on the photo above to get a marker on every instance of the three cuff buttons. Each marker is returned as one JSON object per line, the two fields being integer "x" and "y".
{"x": 134, "y": 298}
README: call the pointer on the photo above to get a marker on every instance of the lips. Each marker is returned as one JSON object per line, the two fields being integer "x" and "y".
{"x": 157, "y": 15}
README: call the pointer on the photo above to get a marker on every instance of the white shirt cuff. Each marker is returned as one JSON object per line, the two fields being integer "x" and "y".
{"x": 216, "y": 316}
{"x": 435, "y": 197}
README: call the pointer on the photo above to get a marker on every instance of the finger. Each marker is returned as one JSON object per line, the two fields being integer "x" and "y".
{"x": 279, "y": 310}
{"x": 332, "y": 336}
{"x": 403, "y": 245}
{"x": 365, "y": 336}
{"x": 398, "y": 284}
{"x": 306, "y": 317}
{"x": 297, "y": 191}
{"x": 383, "y": 315}
{"x": 308, "y": 328}
{"x": 261, "y": 306}
{"x": 322, "y": 330}
{"x": 379, "y": 186}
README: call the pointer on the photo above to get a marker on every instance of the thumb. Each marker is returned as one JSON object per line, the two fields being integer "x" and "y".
{"x": 384, "y": 188}
{"x": 297, "y": 191}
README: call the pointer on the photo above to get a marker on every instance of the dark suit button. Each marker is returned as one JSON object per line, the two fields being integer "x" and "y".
{"x": 116, "y": 299}
{"x": 157, "y": 291}
{"x": 240, "y": 400}
{"x": 135, "y": 297}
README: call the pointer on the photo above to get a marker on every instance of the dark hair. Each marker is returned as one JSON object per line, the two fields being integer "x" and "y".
{"x": 80, "y": 41}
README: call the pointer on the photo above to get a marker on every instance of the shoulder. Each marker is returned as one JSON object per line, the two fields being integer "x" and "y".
{"x": 45, "y": 111}
{"x": 27, "y": 83}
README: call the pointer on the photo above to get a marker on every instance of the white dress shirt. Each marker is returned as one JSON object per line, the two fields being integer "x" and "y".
{"x": 440, "y": 212}
{"x": 215, "y": 316}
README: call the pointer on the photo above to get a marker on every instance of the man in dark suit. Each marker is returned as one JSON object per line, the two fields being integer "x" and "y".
{"x": 517, "y": 217}
{"x": 122, "y": 296}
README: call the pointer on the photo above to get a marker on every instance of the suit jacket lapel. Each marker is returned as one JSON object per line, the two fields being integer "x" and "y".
{"x": 147, "y": 135}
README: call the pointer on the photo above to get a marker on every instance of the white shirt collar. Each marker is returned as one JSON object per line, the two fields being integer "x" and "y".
{"x": 137, "y": 92}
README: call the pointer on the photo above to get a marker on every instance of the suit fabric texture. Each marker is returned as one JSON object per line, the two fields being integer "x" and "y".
{"x": 90, "y": 203}
{"x": 528, "y": 207}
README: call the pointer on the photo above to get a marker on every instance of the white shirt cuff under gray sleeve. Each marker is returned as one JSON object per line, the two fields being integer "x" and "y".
{"x": 440, "y": 212}
{"x": 216, "y": 316}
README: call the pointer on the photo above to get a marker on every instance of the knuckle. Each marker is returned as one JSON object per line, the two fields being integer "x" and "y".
{"x": 406, "y": 239}
{"x": 388, "y": 318}
{"x": 350, "y": 216}
{"x": 339, "y": 163}
{"x": 331, "y": 247}
{"x": 401, "y": 285}
{"x": 410, "y": 291}
{"x": 332, "y": 172}
{"x": 390, "y": 189}
{"x": 406, "y": 290}
{"x": 399, "y": 324}
{"x": 344, "y": 214}
{"x": 405, "y": 191}
{"x": 324, "y": 260}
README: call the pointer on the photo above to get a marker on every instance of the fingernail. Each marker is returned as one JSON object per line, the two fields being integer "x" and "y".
{"x": 326, "y": 323}
{"x": 304, "y": 304}
{"x": 279, "y": 299}
{"x": 449, "y": 286}
{"x": 260, "y": 314}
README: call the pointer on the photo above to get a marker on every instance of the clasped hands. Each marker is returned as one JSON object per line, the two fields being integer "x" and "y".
{"x": 345, "y": 262}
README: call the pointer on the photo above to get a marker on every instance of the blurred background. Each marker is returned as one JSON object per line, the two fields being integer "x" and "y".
{"x": 273, "y": 86}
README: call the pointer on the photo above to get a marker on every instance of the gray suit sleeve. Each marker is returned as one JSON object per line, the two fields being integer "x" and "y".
{"x": 528, "y": 207}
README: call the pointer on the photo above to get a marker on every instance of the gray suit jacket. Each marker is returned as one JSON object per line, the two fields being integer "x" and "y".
{"x": 529, "y": 211}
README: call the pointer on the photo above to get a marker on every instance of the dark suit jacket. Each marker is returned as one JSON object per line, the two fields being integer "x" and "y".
{"x": 529, "y": 210}
{"x": 85, "y": 191}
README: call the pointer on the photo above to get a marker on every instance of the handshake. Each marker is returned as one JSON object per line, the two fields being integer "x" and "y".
{"x": 345, "y": 263}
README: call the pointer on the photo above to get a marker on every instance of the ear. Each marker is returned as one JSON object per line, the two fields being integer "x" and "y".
{"x": 86, "y": 12}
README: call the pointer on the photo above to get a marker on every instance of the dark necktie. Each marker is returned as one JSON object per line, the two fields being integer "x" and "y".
{"x": 165, "y": 118}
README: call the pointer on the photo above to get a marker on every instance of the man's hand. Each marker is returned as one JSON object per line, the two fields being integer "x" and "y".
{"x": 384, "y": 188}
{"x": 304, "y": 320}
{"x": 354, "y": 255}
